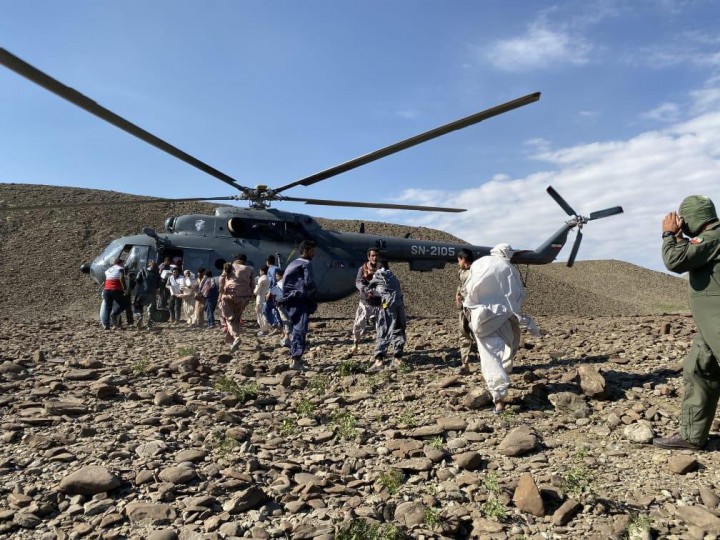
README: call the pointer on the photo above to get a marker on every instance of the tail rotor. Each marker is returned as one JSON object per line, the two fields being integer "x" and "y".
{"x": 578, "y": 220}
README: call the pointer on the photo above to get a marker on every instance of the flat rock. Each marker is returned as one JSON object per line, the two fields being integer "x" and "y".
{"x": 527, "y": 496}
{"x": 89, "y": 481}
{"x": 521, "y": 440}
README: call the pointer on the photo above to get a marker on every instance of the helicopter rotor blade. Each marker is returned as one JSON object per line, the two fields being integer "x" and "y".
{"x": 563, "y": 204}
{"x": 575, "y": 248}
{"x": 40, "y": 78}
{"x": 389, "y": 206}
{"x": 605, "y": 213}
{"x": 112, "y": 203}
{"x": 412, "y": 141}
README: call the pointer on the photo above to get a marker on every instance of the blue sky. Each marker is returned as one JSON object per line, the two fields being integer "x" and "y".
{"x": 270, "y": 92}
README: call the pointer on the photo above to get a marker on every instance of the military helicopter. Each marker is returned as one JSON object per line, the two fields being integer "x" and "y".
{"x": 209, "y": 241}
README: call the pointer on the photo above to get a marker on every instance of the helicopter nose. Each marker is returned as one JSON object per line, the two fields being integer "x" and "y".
{"x": 85, "y": 268}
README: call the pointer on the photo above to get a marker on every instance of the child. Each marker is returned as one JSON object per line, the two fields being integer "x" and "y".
{"x": 261, "y": 289}
{"x": 274, "y": 294}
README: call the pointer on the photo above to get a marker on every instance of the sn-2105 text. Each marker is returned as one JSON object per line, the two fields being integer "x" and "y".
{"x": 436, "y": 251}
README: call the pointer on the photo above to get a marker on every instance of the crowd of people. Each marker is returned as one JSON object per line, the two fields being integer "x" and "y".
{"x": 489, "y": 299}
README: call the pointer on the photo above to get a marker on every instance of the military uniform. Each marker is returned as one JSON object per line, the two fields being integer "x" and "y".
{"x": 700, "y": 256}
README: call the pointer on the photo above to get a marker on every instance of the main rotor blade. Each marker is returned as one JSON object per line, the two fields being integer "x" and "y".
{"x": 112, "y": 203}
{"x": 388, "y": 206}
{"x": 605, "y": 213}
{"x": 563, "y": 204}
{"x": 21, "y": 67}
{"x": 412, "y": 141}
{"x": 575, "y": 248}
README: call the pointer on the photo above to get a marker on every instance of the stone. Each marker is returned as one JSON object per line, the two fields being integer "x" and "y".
{"x": 709, "y": 497}
{"x": 89, "y": 481}
{"x": 700, "y": 517}
{"x": 157, "y": 513}
{"x": 527, "y": 496}
{"x": 592, "y": 383}
{"x": 477, "y": 398}
{"x": 246, "y": 499}
{"x": 682, "y": 464}
{"x": 163, "y": 534}
{"x": 414, "y": 464}
{"x": 469, "y": 461}
{"x": 410, "y": 513}
{"x": 520, "y": 441}
{"x": 178, "y": 475}
{"x": 569, "y": 403}
{"x": 640, "y": 433}
{"x": 567, "y": 511}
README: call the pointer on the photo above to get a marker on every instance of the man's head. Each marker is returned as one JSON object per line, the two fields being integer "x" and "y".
{"x": 465, "y": 258}
{"x": 176, "y": 271}
{"x": 373, "y": 255}
{"x": 119, "y": 262}
{"x": 270, "y": 260}
{"x": 696, "y": 211}
{"x": 152, "y": 265}
{"x": 503, "y": 251}
{"x": 308, "y": 249}
{"x": 264, "y": 270}
{"x": 241, "y": 257}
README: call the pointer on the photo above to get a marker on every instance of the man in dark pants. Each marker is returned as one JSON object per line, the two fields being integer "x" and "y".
{"x": 465, "y": 259}
{"x": 114, "y": 293}
{"x": 691, "y": 243}
{"x": 299, "y": 291}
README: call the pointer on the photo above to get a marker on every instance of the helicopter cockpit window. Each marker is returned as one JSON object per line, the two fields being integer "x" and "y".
{"x": 112, "y": 252}
{"x": 256, "y": 229}
{"x": 137, "y": 257}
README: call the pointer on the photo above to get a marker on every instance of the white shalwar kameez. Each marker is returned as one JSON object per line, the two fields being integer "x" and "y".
{"x": 494, "y": 300}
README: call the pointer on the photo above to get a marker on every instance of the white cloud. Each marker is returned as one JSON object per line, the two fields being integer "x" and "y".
{"x": 648, "y": 175}
{"x": 408, "y": 114}
{"x": 665, "y": 112}
{"x": 539, "y": 47}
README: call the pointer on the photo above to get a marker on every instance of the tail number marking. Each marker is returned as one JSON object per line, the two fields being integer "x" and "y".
{"x": 433, "y": 251}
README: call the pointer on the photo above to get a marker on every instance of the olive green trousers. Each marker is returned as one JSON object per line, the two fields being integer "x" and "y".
{"x": 701, "y": 375}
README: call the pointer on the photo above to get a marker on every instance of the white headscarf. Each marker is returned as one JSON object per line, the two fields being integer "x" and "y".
{"x": 503, "y": 250}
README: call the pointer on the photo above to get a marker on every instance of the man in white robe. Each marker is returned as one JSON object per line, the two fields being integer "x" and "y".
{"x": 494, "y": 300}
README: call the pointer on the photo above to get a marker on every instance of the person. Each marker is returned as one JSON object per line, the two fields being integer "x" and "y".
{"x": 174, "y": 287}
{"x": 211, "y": 292}
{"x": 467, "y": 341}
{"x": 271, "y": 263}
{"x": 272, "y": 298}
{"x": 165, "y": 272}
{"x": 391, "y": 320}
{"x": 198, "y": 314}
{"x": 114, "y": 294}
{"x": 235, "y": 295}
{"x": 691, "y": 243}
{"x": 260, "y": 291}
{"x": 188, "y": 289}
{"x": 272, "y": 316}
{"x": 147, "y": 285}
{"x": 298, "y": 298}
{"x": 494, "y": 299}
{"x": 367, "y": 310}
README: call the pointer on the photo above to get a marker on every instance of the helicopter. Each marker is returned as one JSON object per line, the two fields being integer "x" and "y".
{"x": 208, "y": 241}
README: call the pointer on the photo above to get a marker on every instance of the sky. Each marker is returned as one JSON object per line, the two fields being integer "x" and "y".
{"x": 271, "y": 92}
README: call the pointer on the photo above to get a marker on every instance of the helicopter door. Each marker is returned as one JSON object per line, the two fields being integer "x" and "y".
{"x": 196, "y": 258}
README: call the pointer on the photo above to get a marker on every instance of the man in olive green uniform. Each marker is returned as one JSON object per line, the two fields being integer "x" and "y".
{"x": 691, "y": 243}
{"x": 467, "y": 339}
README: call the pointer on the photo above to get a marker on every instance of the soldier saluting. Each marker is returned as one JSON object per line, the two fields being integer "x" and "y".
{"x": 691, "y": 243}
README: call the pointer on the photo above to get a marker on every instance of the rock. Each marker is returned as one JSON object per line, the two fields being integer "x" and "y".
{"x": 640, "y": 432}
{"x": 527, "y": 496}
{"x": 178, "y": 475}
{"x": 469, "y": 461}
{"x": 709, "y": 497}
{"x": 682, "y": 464}
{"x": 163, "y": 534}
{"x": 569, "y": 403}
{"x": 482, "y": 526}
{"x": 415, "y": 464}
{"x": 701, "y": 517}
{"x": 521, "y": 440}
{"x": 69, "y": 408}
{"x": 410, "y": 513}
{"x": 566, "y": 512}
{"x": 452, "y": 423}
{"x": 477, "y": 398}
{"x": 89, "y": 481}
{"x": 156, "y": 513}
{"x": 186, "y": 364}
{"x": 592, "y": 383}
{"x": 192, "y": 455}
{"x": 246, "y": 499}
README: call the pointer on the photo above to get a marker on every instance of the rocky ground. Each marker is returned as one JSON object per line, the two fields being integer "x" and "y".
{"x": 163, "y": 434}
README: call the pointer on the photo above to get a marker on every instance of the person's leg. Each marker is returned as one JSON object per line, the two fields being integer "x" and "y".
{"x": 492, "y": 350}
{"x": 701, "y": 377}
{"x": 382, "y": 341}
{"x": 359, "y": 325}
{"x": 467, "y": 341}
{"x": 105, "y": 308}
{"x": 397, "y": 331}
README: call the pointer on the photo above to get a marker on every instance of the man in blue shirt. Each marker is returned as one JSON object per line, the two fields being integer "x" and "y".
{"x": 299, "y": 290}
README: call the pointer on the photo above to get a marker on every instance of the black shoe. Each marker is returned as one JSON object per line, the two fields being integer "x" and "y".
{"x": 675, "y": 442}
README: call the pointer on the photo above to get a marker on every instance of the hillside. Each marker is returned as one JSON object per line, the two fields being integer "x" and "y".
{"x": 41, "y": 252}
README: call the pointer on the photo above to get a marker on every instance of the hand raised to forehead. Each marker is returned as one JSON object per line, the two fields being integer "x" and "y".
{"x": 672, "y": 223}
